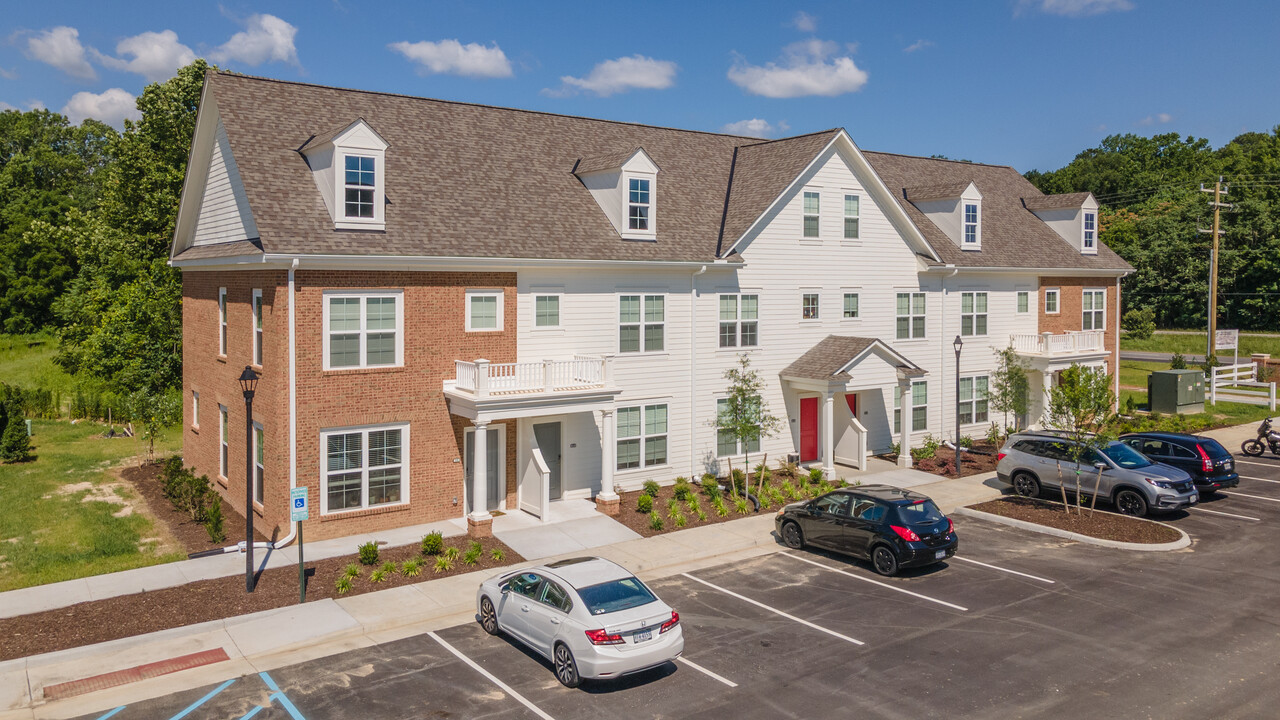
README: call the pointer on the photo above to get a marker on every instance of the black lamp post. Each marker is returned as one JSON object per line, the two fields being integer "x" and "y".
{"x": 248, "y": 383}
{"x": 958, "y": 344}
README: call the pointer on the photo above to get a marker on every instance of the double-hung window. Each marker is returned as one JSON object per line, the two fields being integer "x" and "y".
{"x": 359, "y": 185}
{"x": 365, "y": 467}
{"x": 972, "y": 404}
{"x": 638, "y": 204}
{"x": 809, "y": 306}
{"x": 257, "y": 327}
{"x": 910, "y": 316}
{"x": 919, "y": 407}
{"x": 484, "y": 310}
{"x": 1051, "y": 301}
{"x": 739, "y": 320}
{"x": 641, "y": 323}
{"x": 971, "y": 224}
{"x": 259, "y": 462}
{"x": 222, "y": 321}
{"x": 1090, "y": 230}
{"x": 727, "y": 444}
{"x": 546, "y": 311}
{"x": 195, "y": 409}
{"x": 811, "y": 214}
{"x": 1095, "y": 310}
{"x": 223, "y": 440}
{"x": 850, "y": 306}
{"x": 642, "y": 436}
{"x": 851, "y": 211}
{"x": 1024, "y": 301}
{"x": 973, "y": 313}
{"x": 363, "y": 330}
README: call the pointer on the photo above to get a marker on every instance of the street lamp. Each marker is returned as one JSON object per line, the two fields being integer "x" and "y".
{"x": 958, "y": 344}
{"x": 248, "y": 384}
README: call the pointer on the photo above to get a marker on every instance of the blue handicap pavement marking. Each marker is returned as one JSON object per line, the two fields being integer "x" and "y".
{"x": 203, "y": 700}
{"x": 276, "y": 695}
{"x": 113, "y": 712}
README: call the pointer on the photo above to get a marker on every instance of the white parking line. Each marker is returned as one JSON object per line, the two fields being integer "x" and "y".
{"x": 1215, "y": 512}
{"x": 1011, "y": 572}
{"x": 876, "y": 582}
{"x": 1246, "y": 477}
{"x": 706, "y": 672}
{"x": 1233, "y": 493}
{"x": 1255, "y": 462}
{"x": 505, "y": 688}
{"x": 776, "y": 611}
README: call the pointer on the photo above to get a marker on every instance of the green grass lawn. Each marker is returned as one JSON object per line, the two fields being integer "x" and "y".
{"x": 1134, "y": 372}
{"x": 1224, "y": 414}
{"x": 1195, "y": 344}
{"x": 27, "y": 360}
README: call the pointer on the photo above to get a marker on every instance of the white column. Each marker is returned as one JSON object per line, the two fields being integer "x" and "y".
{"x": 608, "y": 445}
{"x": 480, "y": 473}
{"x": 828, "y": 434}
{"x": 904, "y": 428}
{"x": 1046, "y": 383}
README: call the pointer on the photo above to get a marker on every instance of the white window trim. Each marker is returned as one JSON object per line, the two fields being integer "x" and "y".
{"x": 195, "y": 409}
{"x": 977, "y": 233}
{"x": 617, "y": 316}
{"x": 738, "y": 444}
{"x": 972, "y": 402}
{"x": 363, "y": 295}
{"x": 256, "y": 313}
{"x": 1057, "y": 301}
{"x": 911, "y": 316}
{"x": 224, "y": 441}
{"x": 975, "y": 313}
{"x": 816, "y": 292}
{"x": 499, "y": 294}
{"x": 222, "y": 322}
{"x": 1086, "y": 246}
{"x": 1016, "y": 296}
{"x": 738, "y": 321}
{"x": 857, "y": 292}
{"x": 805, "y": 215}
{"x": 342, "y": 222}
{"x": 642, "y": 404}
{"x": 1097, "y": 292}
{"x": 258, "y": 486}
{"x": 405, "y": 446}
{"x": 559, "y": 311}
{"x": 844, "y": 209}
{"x": 627, "y": 232}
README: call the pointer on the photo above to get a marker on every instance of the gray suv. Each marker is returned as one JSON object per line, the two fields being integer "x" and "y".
{"x": 1035, "y": 461}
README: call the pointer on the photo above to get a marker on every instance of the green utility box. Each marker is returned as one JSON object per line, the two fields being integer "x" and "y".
{"x": 1176, "y": 391}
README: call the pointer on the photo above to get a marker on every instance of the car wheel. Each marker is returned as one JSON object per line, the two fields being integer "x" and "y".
{"x": 1130, "y": 502}
{"x": 792, "y": 536}
{"x": 884, "y": 561}
{"x": 488, "y": 616}
{"x": 1252, "y": 448}
{"x": 1026, "y": 485}
{"x": 566, "y": 668}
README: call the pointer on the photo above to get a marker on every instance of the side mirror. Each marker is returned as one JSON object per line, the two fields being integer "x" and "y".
{"x": 1101, "y": 465}
{"x": 504, "y": 588}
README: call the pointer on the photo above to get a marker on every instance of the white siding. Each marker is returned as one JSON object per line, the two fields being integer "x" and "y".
{"x": 224, "y": 210}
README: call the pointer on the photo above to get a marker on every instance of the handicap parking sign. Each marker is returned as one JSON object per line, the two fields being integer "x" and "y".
{"x": 298, "y": 504}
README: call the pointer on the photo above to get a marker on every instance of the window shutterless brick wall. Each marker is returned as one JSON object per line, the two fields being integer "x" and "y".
{"x": 1071, "y": 306}
{"x": 434, "y": 338}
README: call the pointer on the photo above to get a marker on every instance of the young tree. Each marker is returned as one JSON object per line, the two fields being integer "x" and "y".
{"x": 746, "y": 415}
{"x": 1008, "y": 391}
{"x": 15, "y": 446}
{"x": 1081, "y": 405}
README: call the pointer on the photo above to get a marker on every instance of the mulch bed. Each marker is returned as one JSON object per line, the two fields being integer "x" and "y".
{"x": 982, "y": 459}
{"x": 1102, "y": 525}
{"x": 127, "y": 615}
{"x": 190, "y": 534}
{"x": 631, "y": 516}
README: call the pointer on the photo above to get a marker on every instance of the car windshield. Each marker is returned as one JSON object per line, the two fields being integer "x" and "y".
{"x": 616, "y": 595}
{"x": 920, "y": 513}
{"x": 1125, "y": 456}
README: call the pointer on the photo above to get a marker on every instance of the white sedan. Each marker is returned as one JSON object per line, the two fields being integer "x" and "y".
{"x": 588, "y": 616}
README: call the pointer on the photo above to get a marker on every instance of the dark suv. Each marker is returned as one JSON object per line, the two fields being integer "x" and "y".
{"x": 1208, "y": 463}
{"x": 891, "y": 527}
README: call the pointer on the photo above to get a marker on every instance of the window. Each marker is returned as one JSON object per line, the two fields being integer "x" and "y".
{"x": 1051, "y": 302}
{"x": 1095, "y": 310}
{"x": 850, "y": 305}
{"x": 633, "y": 324}
{"x": 257, "y": 327}
{"x": 223, "y": 432}
{"x": 642, "y": 436}
{"x": 554, "y": 596}
{"x": 259, "y": 462}
{"x": 973, "y": 313}
{"x": 195, "y": 409}
{"x": 1090, "y": 227}
{"x": 546, "y": 311}
{"x": 484, "y": 310}
{"x": 810, "y": 214}
{"x": 919, "y": 407}
{"x": 359, "y": 186}
{"x": 910, "y": 316}
{"x": 809, "y": 306}
{"x": 851, "y": 217}
{"x": 364, "y": 468}
{"x": 971, "y": 224}
{"x": 363, "y": 330}
{"x": 972, "y": 404}
{"x": 1024, "y": 301}
{"x": 739, "y": 320}
{"x": 222, "y": 321}
{"x": 638, "y": 204}
{"x": 726, "y": 444}
{"x": 833, "y": 504}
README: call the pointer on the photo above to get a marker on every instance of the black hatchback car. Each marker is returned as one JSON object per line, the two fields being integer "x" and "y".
{"x": 1210, "y": 465}
{"x": 891, "y": 527}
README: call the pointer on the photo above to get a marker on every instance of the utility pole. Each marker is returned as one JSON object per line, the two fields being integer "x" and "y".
{"x": 1218, "y": 191}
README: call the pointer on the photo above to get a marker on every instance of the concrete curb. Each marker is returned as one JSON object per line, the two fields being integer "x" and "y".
{"x": 1183, "y": 542}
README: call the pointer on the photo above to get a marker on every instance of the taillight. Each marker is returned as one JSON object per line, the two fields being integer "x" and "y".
{"x": 1000, "y": 456}
{"x": 675, "y": 619}
{"x": 600, "y": 637}
{"x": 951, "y": 527}
{"x": 905, "y": 533}
{"x": 1205, "y": 463}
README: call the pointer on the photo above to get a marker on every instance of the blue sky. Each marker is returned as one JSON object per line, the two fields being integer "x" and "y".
{"x": 1023, "y": 82}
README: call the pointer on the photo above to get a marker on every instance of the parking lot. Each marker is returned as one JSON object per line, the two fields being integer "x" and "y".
{"x": 1019, "y": 624}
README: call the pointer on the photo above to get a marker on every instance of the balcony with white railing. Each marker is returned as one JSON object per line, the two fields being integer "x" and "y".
{"x": 482, "y": 379}
{"x": 1062, "y": 345}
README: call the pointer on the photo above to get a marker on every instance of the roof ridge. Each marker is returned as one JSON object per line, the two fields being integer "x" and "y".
{"x": 790, "y": 137}
{"x": 947, "y": 160}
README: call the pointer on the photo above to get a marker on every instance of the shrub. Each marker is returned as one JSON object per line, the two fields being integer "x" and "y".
{"x": 351, "y": 571}
{"x": 497, "y": 554}
{"x": 451, "y": 553}
{"x": 343, "y": 586}
{"x": 895, "y": 449}
{"x": 475, "y": 547}
{"x": 444, "y": 563}
{"x": 213, "y": 519}
{"x": 673, "y": 507}
{"x": 1177, "y": 362}
{"x": 788, "y": 470}
{"x": 702, "y": 515}
{"x": 678, "y": 520}
{"x": 824, "y": 487}
{"x": 994, "y": 435}
{"x": 739, "y": 477}
{"x": 762, "y": 473}
{"x": 15, "y": 446}
{"x": 708, "y": 478}
{"x": 815, "y": 475}
{"x": 472, "y": 556}
{"x": 710, "y": 486}
{"x": 379, "y": 575}
{"x": 789, "y": 490}
{"x": 655, "y": 521}
{"x": 1129, "y": 405}
{"x": 742, "y": 506}
{"x": 1139, "y": 323}
{"x": 651, "y": 488}
{"x": 432, "y": 543}
{"x": 388, "y": 567}
{"x": 692, "y": 504}
{"x": 966, "y": 441}
{"x": 644, "y": 503}
{"x": 721, "y": 510}
{"x": 683, "y": 492}
{"x": 928, "y": 448}
{"x": 369, "y": 553}
{"x": 411, "y": 567}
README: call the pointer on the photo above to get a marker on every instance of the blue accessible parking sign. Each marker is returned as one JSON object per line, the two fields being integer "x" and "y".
{"x": 298, "y": 504}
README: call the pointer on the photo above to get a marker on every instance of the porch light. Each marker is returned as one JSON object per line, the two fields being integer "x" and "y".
{"x": 957, "y": 345}
{"x": 249, "y": 382}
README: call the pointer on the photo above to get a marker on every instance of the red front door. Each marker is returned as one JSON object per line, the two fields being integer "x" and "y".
{"x": 852, "y": 399}
{"x": 808, "y": 429}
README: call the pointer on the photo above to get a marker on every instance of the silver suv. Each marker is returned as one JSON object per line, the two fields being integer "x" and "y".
{"x": 1035, "y": 461}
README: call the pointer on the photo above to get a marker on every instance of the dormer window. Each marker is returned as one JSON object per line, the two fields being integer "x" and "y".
{"x": 638, "y": 204}
{"x": 1090, "y": 228}
{"x": 361, "y": 181}
{"x": 971, "y": 225}
{"x": 348, "y": 166}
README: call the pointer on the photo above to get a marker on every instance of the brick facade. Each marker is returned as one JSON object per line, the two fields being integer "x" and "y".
{"x": 434, "y": 337}
{"x": 1069, "y": 317}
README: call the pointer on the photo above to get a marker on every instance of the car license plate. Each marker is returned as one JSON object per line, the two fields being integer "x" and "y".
{"x": 940, "y": 554}
{"x": 1227, "y": 465}
{"x": 644, "y": 636}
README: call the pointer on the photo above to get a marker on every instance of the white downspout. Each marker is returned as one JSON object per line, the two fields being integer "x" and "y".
{"x": 693, "y": 374}
{"x": 293, "y": 405}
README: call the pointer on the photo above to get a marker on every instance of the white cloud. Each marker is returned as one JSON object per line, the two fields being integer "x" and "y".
{"x": 1157, "y": 119}
{"x": 155, "y": 55}
{"x": 8, "y": 74}
{"x": 61, "y": 48}
{"x": 1074, "y": 8}
{"x": 755, "y": 127}
{"x": 450, "y": 57}
{"x": 918, "y": 45}
{"x": 6, "y": 106}
{"x": 804, "y": 22}
{"x": 112, "y": 107}
{"x": 636, "y": 72}
{"x": 807, "y": 68}
{"x": 266, "y": 38}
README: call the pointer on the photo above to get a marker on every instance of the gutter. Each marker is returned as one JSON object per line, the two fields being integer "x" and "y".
{"x": 693, "y": 372}
{"x": 420, "y": 262}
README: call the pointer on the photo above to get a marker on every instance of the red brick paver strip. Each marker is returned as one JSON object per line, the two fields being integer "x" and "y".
{"x": 134, "y": 674}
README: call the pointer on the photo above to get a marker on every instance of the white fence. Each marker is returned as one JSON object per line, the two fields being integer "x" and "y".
{"x": 484, "y": 378}
{"x": 1236, "y": 380}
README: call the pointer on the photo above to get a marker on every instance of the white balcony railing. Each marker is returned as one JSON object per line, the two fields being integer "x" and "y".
{"x": 1072, "y": 343}
{"x": 483, "y": 378}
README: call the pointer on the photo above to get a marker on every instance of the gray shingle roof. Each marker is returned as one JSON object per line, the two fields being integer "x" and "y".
{"x": 221, "y": 250}
{"x": 608, "y": 161}
{"x": 935, "y": 192}
{"x": 824, "y": 360}
{"x": 1062, "y": 201}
